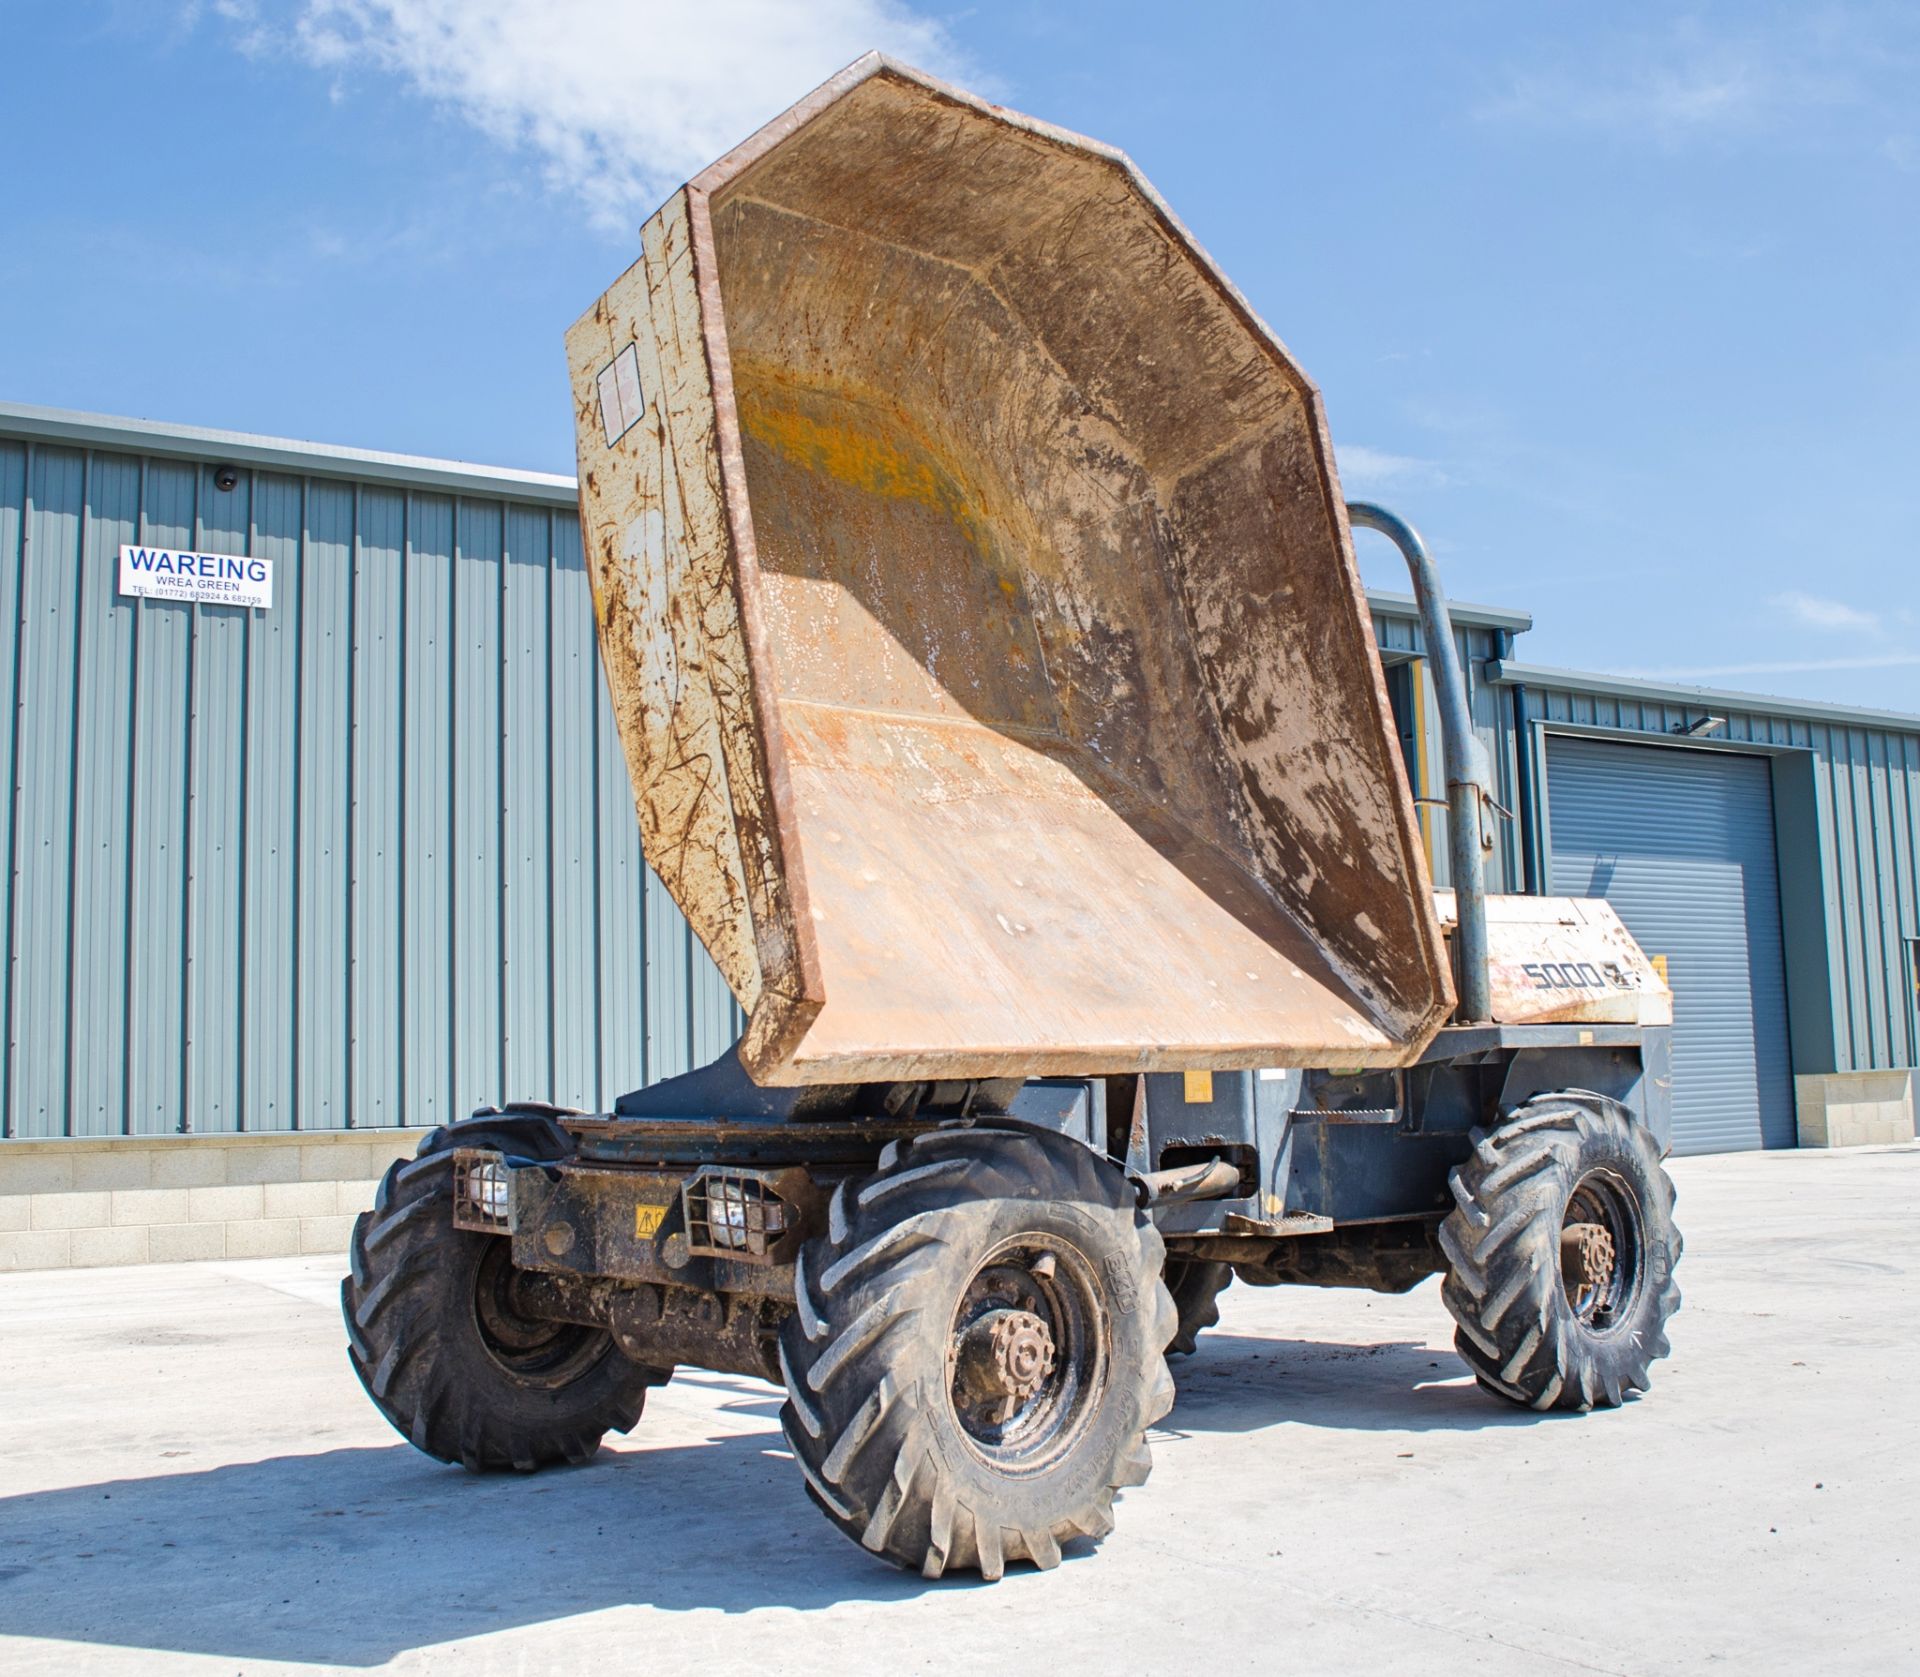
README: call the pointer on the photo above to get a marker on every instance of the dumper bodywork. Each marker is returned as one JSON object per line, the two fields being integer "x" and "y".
{"x": 981, "y": 618}
{"x": 979, "y": 610}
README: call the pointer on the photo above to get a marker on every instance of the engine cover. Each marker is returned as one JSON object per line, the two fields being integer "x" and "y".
{"x": 1565, "y": 960}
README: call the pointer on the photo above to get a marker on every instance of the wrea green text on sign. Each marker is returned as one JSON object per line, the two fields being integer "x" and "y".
{"x": 214, "y": 579}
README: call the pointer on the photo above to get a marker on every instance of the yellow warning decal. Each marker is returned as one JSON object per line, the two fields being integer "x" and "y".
{"x": 647, "y": 1220}
{"x": 1659, "y": 965}
{"x": 1199, "y": 1087}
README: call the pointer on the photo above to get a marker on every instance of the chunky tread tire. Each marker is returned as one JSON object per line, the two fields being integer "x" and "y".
{"x": 868, "y": 1414}
{"x": 414, "y": 1340}
{"x": 1515, "y": 1328}
{"x": 1196, "y": 1286}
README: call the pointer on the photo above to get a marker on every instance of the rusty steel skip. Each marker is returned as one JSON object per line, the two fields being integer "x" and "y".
{"x": 981, "y": 617}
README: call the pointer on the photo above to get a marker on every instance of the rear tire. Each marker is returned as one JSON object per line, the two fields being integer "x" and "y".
{"x": 435, "y": 1340}
{"x": 977, "y": 1350}
{"x": 1196, "y": 1286}
{"x": 1540, "y": 1322}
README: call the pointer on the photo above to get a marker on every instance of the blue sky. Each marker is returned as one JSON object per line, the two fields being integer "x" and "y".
{"x": 1621, "y": 304}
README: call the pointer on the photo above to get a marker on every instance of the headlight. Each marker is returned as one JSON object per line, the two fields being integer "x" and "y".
{"x": 487, "y": 1188}
{"x": 731, "y": 1212}
{"x": 480, "y": 1191}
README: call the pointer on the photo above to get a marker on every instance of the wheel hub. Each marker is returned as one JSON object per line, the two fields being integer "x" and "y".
{"x": 1005, "y": 1356}
{"x": 1026, "y": 1355}
{"x": 1600, "y": 1241}
{"x": 1586, "y": 1254}
{"x": 525, "y": 1345}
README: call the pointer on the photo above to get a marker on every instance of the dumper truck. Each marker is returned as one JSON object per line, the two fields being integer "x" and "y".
{"x": 979, "y": 610}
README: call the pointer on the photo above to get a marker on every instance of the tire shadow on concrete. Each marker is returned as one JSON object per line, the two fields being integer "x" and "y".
{"x": 1242, "y": 1382}
{"x": 353, "y": 1556}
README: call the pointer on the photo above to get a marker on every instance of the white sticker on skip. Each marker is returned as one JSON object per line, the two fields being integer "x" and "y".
{"x": 622, "y": 402}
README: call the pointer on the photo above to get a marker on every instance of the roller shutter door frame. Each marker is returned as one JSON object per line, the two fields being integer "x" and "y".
{"x": 1680, "y": 839}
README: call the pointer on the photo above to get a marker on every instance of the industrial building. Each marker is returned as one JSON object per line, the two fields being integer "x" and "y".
{"x": 286, "y": 880}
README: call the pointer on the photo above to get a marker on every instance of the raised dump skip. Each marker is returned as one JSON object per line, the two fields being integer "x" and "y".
{"x": 981, "y": 618}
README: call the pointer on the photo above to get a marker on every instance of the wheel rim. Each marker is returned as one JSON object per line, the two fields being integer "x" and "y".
{"x": 534, "y": 1351}
{"x": 1601, "y": 1247}
{"x": 1027, "y": 1353}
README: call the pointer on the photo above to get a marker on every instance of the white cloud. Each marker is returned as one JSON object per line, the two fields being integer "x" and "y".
{"x": 1667, "y": 101}
{"x": 1369, "y": 470}
{"x": 1779, "y": 71}
{"x": 619, "y": 100}
{"x": 1812, "y": 612}
{"x": 1871, "y": 631}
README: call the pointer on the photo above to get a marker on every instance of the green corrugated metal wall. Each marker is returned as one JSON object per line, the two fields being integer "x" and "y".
{"x": 369, "y": 857}
{"x": 1850, "y": 893}
{"x": 1401, "y": 638}
{"x": 366, "y": 858}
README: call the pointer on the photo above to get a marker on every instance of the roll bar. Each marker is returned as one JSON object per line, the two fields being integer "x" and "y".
{"x": 1469, "y": 772}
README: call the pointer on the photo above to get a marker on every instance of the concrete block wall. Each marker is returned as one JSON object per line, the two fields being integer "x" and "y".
{"x": 1855, "y": 1108}
{"x": 169, "y": 1199}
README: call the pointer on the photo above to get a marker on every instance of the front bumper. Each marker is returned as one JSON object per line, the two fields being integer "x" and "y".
{"x": 714, "y": 1227}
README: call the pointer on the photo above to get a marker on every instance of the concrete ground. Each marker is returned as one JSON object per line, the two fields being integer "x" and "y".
{"x": 192, "y": 1481}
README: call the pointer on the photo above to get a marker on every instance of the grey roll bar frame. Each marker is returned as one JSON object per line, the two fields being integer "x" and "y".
{"x": 1469, "y": 771}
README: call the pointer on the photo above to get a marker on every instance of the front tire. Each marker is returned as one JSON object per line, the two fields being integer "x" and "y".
{"x": 437, "y": 1343}
{"x": 977, "y": 1350}
{"x": 1562, "y": 1251}
{"x": 1196, "y": 1286}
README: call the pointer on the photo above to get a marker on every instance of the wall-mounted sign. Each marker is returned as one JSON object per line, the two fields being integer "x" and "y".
{"x": 214, "y": 579}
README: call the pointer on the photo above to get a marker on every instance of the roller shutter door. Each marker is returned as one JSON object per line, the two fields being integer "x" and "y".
{"x": 1681, "y": 842}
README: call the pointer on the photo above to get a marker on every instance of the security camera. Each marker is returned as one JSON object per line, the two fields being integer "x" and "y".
{"x": 225, "y": 477}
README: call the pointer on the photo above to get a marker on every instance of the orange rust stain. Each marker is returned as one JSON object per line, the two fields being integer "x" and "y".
{"x": 838, "y": 435}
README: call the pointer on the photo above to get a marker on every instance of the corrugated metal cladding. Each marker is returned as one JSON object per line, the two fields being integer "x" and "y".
{"x": 369, "y": 858}
{"x": 1856, "y": 919}
{"x": 365, "y": 858}
{"x": 1402, "y": 644}
{"x": 1682, "y": 844}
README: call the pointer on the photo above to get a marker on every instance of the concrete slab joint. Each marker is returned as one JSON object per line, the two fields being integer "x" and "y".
{"x": 178, "y": 1199}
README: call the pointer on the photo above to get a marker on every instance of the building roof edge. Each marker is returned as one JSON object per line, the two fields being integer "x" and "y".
{"x": 1508, "y": 673}
{"x": 1465, "y": 614}
{"x": 148, "y": 436}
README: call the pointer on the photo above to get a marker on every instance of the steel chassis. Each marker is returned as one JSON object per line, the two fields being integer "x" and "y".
{"x": 675, "y": 1221}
